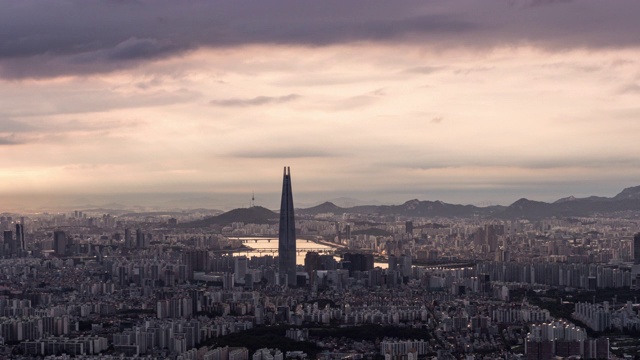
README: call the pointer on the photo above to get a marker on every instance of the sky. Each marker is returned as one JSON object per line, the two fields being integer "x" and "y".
{"x": 201, "y": 103}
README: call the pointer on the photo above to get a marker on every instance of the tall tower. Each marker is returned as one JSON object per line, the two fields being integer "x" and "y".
{"x": 287, "y": 233}
{"x": 20, "y": 245}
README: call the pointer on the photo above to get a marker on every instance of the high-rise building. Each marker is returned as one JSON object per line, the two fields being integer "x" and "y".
{"x": 487, "y": 237}
{"x": 357, "y": 262}
{"x": 287, "y": 234}
{"x": 20, "y": 245}
{"x": 8, "y": 242}
{"x": 636, "y": 249}
{"x": 127, "y": 238}
{"x": 60, "y": 242}
{"x": 240, "y": 268}
{"x": 408, "y": 225}
{"x": 140, "y": 243}
{"x": 311, "y": 265}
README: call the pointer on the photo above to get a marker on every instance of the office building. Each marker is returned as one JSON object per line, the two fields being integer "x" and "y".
{"x": 60, "y": 242}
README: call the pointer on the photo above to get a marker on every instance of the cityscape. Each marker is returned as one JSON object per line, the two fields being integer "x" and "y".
{"x": 319, "y": 180}
{"x": 364, "y": 284}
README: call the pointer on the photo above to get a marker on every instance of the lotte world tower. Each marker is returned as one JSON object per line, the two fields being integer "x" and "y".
{"x": 287, "y": 234}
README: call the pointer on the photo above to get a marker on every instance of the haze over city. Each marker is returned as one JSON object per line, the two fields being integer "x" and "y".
{"x": 199, "y": 104}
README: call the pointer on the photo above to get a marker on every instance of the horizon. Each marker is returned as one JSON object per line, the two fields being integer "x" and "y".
{"x": 203, "y": 103}
{"x": 220, "y": 201}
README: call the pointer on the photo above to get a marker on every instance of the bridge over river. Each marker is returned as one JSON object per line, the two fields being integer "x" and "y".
{"x": 324, "y": 250}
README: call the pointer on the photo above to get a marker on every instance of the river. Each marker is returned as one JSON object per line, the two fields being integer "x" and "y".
{"x": 269, "y": 246}
{"x": 265, "y": 246}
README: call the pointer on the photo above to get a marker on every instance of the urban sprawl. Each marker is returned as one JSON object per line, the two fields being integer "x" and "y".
{"x": 95, "y": 285}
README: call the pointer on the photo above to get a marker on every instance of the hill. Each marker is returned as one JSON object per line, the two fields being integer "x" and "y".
{"x": 252, "y": 215}
{"x": 325, "y": 207}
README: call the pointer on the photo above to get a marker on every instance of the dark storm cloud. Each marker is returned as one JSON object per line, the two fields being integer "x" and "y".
{"x": 40, "y": 39}
{"x": 256, "y": 101}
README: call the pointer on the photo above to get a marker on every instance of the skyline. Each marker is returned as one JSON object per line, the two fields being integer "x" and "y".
{"x": 466, "y": 101}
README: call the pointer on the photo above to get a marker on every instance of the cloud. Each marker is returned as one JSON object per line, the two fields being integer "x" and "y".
{"x": 357, "y": 101}
{"x": 131, "y": 49}
{"x": 575, "y": 67}
{"x": 61, "y": 38}
{"x": 283, "y": 153}
{"x": 424, "y": 69}
{"x": 545, "y": 2}
{"x": 472, "y": 70}
{"x": 437, "y": 120}
{"x": 50, "y": 130}
{"x": 630, "y": 89}
{"x": 256, "y": 101}
{"x": 11, "y": 139}
{"x": 13, "y": 126}
{"x": 544, "y": 163}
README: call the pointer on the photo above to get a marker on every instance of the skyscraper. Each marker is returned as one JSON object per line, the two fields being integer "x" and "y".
{"x": 240, "y": 269}
{"x": 60, "y": 242}
{"x": 636, "y": 249}
{"x": 8, "y": 243}
{"x": 127, "y": 238}
{"x": 140, "y": 243}
{"x": 287, "y": 234}
{"x": 20, "y": 245}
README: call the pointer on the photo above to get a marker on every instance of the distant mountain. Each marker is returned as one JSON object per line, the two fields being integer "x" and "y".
{"x": 414, "y": 207}
{"x": 626, "y": 201}
{"x": 209, "y": 212}
{"x": 573, "y": 198}
{"x": 343, "y": 202}
{"x": 630, "y": 193}
{"x": 528, "y": 209}
{"x": 351, "y": 202}
{"x": 566, "y": 199}
{"x": 325, "y": 207}
{"x": 431, "y": 209}
{"x": 252, "y": 215}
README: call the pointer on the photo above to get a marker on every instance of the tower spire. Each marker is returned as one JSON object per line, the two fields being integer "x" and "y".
{"x": 287, "y": 233}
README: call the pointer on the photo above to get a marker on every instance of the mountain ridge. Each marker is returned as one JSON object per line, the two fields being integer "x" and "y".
{"x": 627, "y": 200}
